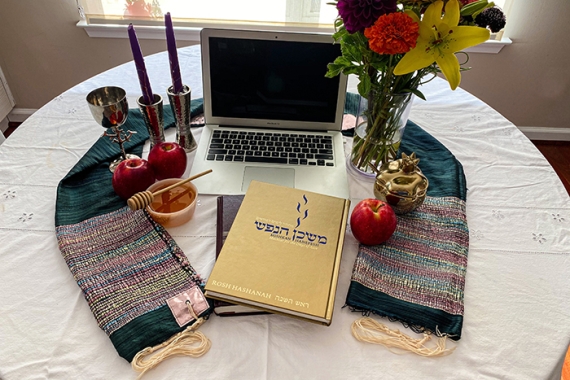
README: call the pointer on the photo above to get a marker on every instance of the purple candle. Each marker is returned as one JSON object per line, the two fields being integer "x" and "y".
{"x": 172, "y": 55}
{"x": 147, "y": 94}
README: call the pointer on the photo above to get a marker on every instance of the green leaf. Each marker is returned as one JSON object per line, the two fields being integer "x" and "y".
{"x": 470, "y": 9}
{"x": 350, "y": 39}
{"x": 333, "y": 70}
{"x": 478, "y": 12}
{"x": 343, "y": 61}
{"x": 340, "y": 30}
{"x": 378, "y": 65}
{"x": 352, "y": 53}
{"x": 352, "y": 70}
{"x": 417, "y": 93}
{"x": 379, "y": 61}
{"x": 364, "y": 85}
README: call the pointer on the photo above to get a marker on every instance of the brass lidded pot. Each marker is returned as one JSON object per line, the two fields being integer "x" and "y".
{"x": 401, "y": 184}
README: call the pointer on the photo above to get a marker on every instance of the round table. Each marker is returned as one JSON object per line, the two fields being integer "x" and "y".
{"x": 516, "y": 321}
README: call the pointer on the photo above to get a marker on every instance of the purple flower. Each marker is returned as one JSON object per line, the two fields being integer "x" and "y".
{"x": 360, "y": 14}
{"x": 494, "y": 18}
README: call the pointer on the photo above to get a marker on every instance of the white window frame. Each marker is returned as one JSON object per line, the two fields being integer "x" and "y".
{"x": 190, "y": 31}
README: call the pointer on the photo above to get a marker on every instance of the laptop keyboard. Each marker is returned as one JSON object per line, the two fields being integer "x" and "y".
{"x": 271, "y": 147}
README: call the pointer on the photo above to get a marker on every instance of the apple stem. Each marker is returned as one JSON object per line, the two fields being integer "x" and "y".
{"x": 377, "y": 207}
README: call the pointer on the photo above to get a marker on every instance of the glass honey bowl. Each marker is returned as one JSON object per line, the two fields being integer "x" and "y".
{"x": 173, "y": 207}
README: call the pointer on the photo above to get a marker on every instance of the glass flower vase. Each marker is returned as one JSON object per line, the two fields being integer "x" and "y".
{"x": 378, "y": 133}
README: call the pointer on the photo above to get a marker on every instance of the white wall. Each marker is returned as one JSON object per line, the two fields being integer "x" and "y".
{"x": 43, "y": 53}
{"x": 529, "y": 81}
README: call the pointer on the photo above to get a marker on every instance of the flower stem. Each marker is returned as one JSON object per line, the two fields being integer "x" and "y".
{"x": 384, "y": 111}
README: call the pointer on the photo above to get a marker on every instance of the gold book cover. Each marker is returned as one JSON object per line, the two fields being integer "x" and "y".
{"x": 283, "y": 253}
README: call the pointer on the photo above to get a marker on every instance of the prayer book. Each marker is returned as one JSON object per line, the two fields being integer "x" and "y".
{"x": 282, "y": 253}
{"x": 228, "y": 206}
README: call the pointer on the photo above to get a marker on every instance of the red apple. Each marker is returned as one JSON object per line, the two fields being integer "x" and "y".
{"x": 168, "y": 160}
{"x": 131, "y": 176}
{"x": 372, "y": 221}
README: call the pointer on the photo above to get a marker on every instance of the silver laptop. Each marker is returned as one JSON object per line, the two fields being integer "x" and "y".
{"x": 270, "y": 113}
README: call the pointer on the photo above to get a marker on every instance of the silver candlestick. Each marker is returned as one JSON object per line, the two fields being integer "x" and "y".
{"x": 154, "y": 119}
{"x": 180, "y": 105}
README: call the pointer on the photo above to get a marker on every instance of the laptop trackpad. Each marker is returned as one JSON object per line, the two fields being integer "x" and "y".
{"x": 276, "y": 176}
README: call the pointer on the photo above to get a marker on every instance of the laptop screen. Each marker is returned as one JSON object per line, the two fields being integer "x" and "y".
{"x": 272, "y": 79}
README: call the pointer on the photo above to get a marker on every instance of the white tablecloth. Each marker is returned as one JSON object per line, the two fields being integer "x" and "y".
{"x": 516, "y": 322}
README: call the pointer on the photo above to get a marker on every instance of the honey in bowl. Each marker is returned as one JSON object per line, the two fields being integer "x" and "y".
{"x": 173, "y": 200}
{"x": 175, "y": 206}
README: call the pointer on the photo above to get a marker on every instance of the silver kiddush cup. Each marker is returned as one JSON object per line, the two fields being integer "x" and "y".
{"x": 180, "y": 105}
{"x": 154, "y": 119}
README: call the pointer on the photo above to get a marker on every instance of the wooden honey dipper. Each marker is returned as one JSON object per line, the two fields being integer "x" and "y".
{"x": 144, "y": 198}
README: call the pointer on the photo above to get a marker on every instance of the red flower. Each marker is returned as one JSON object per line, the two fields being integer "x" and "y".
{"x": 359, "y": 14}
{"x": 394, "y": 33}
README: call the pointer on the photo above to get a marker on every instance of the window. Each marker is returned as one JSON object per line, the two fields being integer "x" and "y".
{"x": 108, "y": 18}
{"x": 505, "y": 5}
{"x": 291, "y": 14}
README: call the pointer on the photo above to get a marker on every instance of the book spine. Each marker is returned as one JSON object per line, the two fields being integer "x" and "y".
{"x": 338, "y": 258}
{"x": 219, "y": 225}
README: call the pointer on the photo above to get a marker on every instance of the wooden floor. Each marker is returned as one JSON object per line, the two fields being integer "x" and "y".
{"x": 11, "y": 128}
{"x": 558, "y": 155}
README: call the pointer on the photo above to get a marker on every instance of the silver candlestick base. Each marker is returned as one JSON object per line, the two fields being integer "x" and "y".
{"x": 154, "y": 119}
{"x": 180, "y": 105}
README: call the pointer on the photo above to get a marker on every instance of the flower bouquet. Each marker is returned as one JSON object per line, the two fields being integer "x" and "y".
{"x": 394, "y": 46}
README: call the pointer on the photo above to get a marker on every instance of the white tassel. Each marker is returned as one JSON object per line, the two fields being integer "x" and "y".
{"x": 368, "y": 330}
{"x": 188, "y": 342}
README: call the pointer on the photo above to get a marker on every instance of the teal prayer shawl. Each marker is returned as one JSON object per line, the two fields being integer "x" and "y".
{"x": 127, "y": 266}
{"x": 418, "y": 276}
